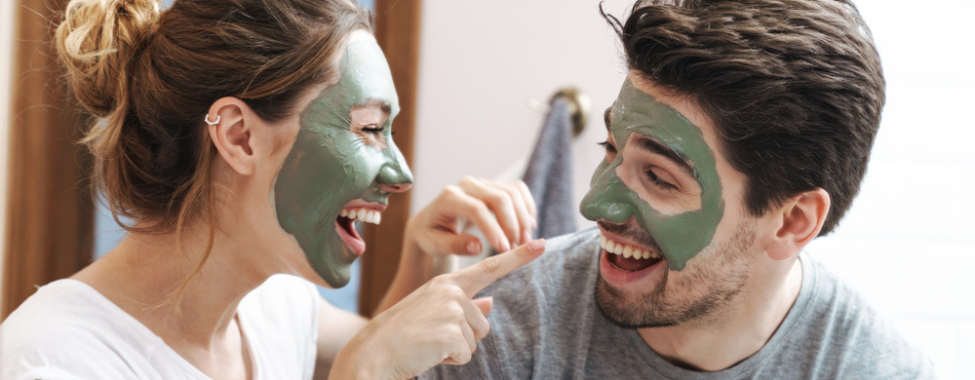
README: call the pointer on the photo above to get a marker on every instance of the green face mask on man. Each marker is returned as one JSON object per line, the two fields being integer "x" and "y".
{"x": 681, "y": 235}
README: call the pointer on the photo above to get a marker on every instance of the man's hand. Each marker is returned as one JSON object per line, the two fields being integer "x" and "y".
{"x": 437, "y": 323}
{"x": 505, "y": 213}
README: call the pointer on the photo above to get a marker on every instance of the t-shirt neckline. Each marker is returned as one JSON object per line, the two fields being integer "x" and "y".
{"x": 747, "y": 366}
{"x": 158, "y": 341}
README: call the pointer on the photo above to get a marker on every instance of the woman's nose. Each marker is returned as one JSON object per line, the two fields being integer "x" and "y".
{"x": 395, "y": 175}
{"x": 396, "y": 188}
{"x": 393, "y": 179}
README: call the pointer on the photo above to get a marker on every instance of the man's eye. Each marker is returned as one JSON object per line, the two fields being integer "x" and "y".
{"x": 655, "y": 179}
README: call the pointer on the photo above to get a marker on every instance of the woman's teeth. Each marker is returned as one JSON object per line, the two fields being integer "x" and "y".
{"x": 362, "y": 215}
{"x": 625, "y": 250}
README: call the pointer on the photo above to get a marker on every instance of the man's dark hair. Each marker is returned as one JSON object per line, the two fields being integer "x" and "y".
{"x": 794, "y": 87}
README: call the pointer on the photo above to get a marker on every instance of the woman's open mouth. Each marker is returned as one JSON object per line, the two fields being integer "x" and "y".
{"x": 346, "y": 222}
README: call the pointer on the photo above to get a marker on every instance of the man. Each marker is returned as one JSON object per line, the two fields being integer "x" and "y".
{"x": 742, "y": 132}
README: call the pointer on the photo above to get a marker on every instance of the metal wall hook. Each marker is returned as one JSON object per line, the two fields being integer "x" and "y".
{"x": 579, "y": 107}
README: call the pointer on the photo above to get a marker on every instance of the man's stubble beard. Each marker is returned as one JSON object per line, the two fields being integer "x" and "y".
{"x": 709, "y": 284}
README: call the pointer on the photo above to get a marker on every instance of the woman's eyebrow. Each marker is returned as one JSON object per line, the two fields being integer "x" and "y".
{"x": 382, "y": 103}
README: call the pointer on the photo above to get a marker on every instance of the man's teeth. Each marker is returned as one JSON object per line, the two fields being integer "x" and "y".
{"x": 362, "y": 215}
{"x": 626, "y": 250}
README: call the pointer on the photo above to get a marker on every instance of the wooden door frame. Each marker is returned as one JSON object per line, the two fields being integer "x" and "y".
{"x": 49, "y": 221}
{"x": 397, "y": 25}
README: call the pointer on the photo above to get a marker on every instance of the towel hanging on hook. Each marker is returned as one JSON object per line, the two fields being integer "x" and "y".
{"x": 549, "y": 171}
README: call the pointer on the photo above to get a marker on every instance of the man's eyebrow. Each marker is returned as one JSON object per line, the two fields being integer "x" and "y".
{"x": 606, "y": 116}
{"x": 654, "y": 146}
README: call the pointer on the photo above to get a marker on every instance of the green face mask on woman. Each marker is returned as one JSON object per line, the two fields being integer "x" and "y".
{"x": 331, "y": 164}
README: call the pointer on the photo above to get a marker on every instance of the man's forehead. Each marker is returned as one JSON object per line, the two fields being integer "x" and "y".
{"x": 645, "y": 137}
{"x": 639, "y": 110}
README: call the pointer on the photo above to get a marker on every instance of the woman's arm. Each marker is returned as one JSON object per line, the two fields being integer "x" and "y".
{"x": 436, "y": 324}
{"x": 335, "y": 328}
{"x": 505, "y": 214}
{"x": 415, "y": 269}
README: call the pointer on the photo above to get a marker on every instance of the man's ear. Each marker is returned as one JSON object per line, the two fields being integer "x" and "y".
{"x": 800, "y": 220}
{"x": 233, "y": 133}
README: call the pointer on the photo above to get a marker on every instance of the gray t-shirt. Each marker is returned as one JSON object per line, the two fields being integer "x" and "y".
{"x": 545, "y": 325}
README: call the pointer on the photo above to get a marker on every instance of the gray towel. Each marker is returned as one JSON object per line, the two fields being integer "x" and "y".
{"x": 549, "y": 173}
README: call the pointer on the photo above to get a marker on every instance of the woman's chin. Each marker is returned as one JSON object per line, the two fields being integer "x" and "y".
{"x": 335, "y": 279}
{"x": 327, "y": 262}
{"x": 336, "y": 268}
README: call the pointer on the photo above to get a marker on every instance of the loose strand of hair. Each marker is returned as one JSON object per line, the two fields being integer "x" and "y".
{"x": 202, "y": 189}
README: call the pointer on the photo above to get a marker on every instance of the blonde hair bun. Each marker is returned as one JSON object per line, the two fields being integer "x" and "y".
{"x": 96, "y": 42}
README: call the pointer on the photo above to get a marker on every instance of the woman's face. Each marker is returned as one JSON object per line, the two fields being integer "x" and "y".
{"x": 343, "y": 162}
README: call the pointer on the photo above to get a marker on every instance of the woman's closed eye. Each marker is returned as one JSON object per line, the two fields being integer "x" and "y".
{"x": 374, "y": 128}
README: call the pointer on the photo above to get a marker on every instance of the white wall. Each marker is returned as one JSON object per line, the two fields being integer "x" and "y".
{"x": 908, "y": 242}
{"x": 6, "y": 71}
{"x": 480, "y": 63}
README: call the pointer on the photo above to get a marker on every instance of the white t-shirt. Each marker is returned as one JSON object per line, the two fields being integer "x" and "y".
{"x": 69, "y": 331}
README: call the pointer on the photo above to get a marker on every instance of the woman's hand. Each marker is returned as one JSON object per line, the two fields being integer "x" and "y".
{"x": 505, "y": 213}
{"x": 437, "y": 323}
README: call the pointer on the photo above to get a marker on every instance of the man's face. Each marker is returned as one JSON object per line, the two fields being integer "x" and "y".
{"x": 674, "y": 249}
{"x": 343, "y": 160}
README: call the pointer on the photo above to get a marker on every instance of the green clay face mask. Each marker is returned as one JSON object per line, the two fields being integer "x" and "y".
{"x": 332, "y": 163}
{"x": 680, "y": 236}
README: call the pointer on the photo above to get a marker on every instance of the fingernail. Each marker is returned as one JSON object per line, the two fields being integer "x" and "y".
{"x": 473, "y": 248}
{"x": 536, "y": 245}
{"x": 505, "y": 245}
{"x": 534, "y": 223}
{"x": 526, "y": 234}
{"x": 499, "y": 245}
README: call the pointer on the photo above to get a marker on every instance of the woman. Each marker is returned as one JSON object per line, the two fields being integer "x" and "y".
{"x": 245, "y": 138}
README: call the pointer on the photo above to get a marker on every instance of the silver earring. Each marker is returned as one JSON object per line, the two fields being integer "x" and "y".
{"x": 206, "y": 119}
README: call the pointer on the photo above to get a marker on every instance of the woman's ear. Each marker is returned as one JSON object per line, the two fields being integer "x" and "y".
{"x": 800, "y": 220}
{"x": 232, "y": 127}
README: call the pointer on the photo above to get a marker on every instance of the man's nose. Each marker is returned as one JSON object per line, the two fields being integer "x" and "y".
{"x": 609, "y": 199}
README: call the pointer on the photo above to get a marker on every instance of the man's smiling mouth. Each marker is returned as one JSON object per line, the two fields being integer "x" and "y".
{"x": 626, "y": 249}
{"x": 627, "y": 257}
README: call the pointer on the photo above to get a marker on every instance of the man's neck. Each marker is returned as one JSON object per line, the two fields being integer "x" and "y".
{"x": 723, "y": 340}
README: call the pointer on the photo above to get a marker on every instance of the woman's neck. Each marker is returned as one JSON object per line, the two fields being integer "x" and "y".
{"x": 144, "y": 275}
